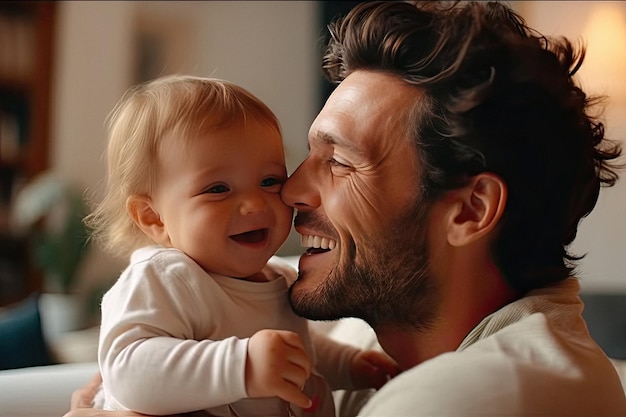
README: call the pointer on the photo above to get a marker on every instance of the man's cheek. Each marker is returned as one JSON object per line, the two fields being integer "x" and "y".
{"x": 368, "y": 202}
{"x": 357, "y": 209}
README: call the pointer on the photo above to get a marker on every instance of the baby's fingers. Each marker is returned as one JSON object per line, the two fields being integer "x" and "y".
{"x": 381, "y": 361}
{"x": 296, "y": 354}
{"x": 295, "y": 396}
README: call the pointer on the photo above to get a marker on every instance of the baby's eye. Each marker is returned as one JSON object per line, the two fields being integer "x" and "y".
{"x": 217, "y": 189}
{"x": 271, "y": 182}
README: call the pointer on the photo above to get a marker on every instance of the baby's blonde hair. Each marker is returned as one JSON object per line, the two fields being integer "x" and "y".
{"x": 185, "y": 106}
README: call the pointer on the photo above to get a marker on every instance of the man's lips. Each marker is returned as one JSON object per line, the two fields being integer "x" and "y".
{"x": 253, "y": 236}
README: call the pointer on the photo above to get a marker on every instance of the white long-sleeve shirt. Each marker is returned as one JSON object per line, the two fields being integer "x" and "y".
{"x": 534, "y": 357}
{"x": 174, "y": 339}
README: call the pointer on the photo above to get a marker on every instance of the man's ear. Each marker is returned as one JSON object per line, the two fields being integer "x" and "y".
{"x": 477, "y": 209}
{"x": 141, "y": 209}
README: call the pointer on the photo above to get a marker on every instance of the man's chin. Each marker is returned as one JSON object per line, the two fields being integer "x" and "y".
{"x": 302, "y": 291}
{"x": 314, "y": 270}
{"x": 310, "y": 301}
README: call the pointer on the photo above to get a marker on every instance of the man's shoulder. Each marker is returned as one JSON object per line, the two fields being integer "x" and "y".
{"x": 467, "y": 383}
{"x": 446, "y": 383}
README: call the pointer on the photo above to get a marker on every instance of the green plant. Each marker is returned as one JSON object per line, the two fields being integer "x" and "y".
{"x": 49, "y": 212}
{"x": 59, "y": 246}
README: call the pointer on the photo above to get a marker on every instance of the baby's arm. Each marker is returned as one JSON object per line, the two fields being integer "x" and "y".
{"x": 148, "y": 357}
{"x": 162, "y": 375}
{"x": 275, "y": 365}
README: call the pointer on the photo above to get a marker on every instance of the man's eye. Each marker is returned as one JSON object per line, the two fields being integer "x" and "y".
{"x": 335, "y": 163}
{"x": 271, "y": 182}
{"x": 217, "y": 189}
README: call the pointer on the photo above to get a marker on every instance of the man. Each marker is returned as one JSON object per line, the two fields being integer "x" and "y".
{"x": 448, "y": 172}
{"x": 446, "y": 177}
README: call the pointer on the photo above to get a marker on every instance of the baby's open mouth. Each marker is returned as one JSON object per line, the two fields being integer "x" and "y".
{"x": 254, "y": 236}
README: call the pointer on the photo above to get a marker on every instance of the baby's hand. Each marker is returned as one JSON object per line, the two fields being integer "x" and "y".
{"x": 277, "y": 365}
{"x": 372, "y": 369}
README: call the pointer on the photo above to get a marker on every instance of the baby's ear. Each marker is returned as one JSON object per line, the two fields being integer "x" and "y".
{"x": 479, "y": 208}
{"x": 141, "y": 209}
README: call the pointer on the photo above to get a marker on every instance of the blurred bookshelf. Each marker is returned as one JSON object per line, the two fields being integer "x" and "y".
{"x": 26, "y": 54}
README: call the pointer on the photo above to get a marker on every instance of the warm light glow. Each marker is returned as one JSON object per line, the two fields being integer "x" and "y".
{"x": 604, "y": 68}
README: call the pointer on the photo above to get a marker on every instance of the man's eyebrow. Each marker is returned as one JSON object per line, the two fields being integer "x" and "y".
{"x": 323, "y": 138}
{"x": 326, "y": 138}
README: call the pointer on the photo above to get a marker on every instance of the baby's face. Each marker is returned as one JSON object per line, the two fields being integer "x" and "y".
{"x": 219, "y": 197}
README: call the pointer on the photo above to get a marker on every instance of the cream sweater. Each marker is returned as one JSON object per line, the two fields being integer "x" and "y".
{"x": 532, "y": 358}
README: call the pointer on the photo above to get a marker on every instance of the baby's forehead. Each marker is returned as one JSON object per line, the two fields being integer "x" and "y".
{"x": 203, "y": 123}
{"x": 253, "y": 144}
{"x": 245, "y": 131}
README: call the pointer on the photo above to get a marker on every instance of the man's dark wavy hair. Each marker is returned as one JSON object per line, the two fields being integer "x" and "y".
{"x": 494, "y": 96}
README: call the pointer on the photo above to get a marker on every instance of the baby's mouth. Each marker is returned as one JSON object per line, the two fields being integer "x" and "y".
{"x": 253, "y": 236}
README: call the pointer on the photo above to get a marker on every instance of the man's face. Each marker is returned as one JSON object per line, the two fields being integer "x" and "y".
{"x": 359, "y": 214}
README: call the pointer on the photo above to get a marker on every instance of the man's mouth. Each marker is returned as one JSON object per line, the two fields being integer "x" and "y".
{"x": 317, "y": 244}
{"x": 254, "y": 236}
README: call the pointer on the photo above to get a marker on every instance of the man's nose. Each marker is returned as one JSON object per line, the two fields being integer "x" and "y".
{"x": 300, "y": 190}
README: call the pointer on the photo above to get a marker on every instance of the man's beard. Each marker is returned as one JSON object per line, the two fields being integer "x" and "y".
{"x": 386, "y": 283}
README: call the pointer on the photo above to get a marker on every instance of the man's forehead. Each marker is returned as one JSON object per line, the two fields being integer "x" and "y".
{"x": 365, "y": 108}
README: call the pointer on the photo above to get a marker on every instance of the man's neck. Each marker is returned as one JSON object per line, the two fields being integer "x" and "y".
{"x": 465, "y": 302}
{"x": 412, "y": 347}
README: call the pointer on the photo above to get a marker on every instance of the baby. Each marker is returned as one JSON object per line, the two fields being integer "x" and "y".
{"x": 200, "y": 319}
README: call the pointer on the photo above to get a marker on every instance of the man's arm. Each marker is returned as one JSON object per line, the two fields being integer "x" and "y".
{"x": 83, "y": 397}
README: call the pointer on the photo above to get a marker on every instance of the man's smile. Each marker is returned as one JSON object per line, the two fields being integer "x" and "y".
{"x": 317, "y": 244}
